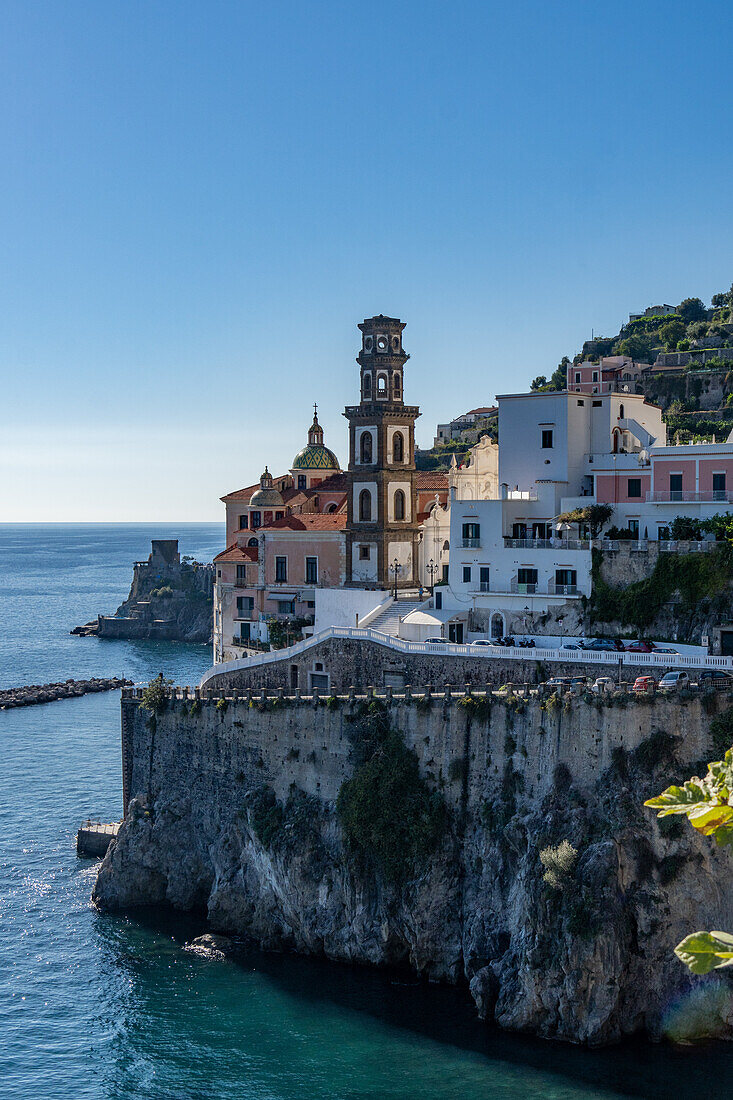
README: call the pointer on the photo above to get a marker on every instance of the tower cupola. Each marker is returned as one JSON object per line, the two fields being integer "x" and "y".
{"x": 381, "y": 359}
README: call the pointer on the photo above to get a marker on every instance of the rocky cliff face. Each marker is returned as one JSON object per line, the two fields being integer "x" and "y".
{"x": 234, "y": 812}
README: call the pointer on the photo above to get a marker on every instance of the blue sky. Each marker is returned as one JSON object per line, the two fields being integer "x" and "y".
{"x": 199, "y": 201}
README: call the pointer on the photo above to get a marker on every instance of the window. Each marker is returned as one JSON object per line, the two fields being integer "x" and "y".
{"x": 581, "y": 404}
{"x": 399, "y": 505}
{"x": 595, "y": 376}
{"x": 241, "y": 572}
{"x": 718, "y": 486}
{"x": 396, "y": 387}
{"x": 256, "y": 519}
{"x": 621, "y": 412}
{"x": 675, "y": 486}
{"x": 445, "y": 574}
{"x": 398, "y": 448}
{"x": 438, "y": 601}
{"x": 663, "y": 534}
{"x": 597, "y": 404}
{"x": 634, "y": 527}
{"x": 243, "y": 523}
{"x": 367, "y": 386}
{"x": 364, "y": 554}
{"x": 252, "y": 542}
{"x": 244, "y": 603}
{"x": 365, "y": 447}
{"x": 633, "y": 487}
{"x": 471, "y": 534}
{"x": 311, "y": 570}
{"x": 279, "y": 515}
{"x": 577, "y": 376}
{"x": 285, "y": 607}
{"x": 519, "y": 530}
{"x": 302, "y": 482}
{"x": 546, "y": 438}
{"x": 466, "y": 574}
{"x": 281, "y": 569}
{"x": 365, "y": 505}
{"x": 567, "y": 578}
{"x": 381, "y": 385}
{"x": 484, "y": 578}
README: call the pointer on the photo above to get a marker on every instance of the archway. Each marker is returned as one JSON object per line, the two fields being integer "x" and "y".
{"x": 497, "y": 626}
{"x": 366, "y": 448}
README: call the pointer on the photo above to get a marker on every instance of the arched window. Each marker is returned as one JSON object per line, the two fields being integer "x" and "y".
{"x": 396, "y": 385}
{"x": 367, "y": 385}
{"x": 331, "y": 508}
{"x": 366, "y": 448}
{"x": 381, "y": 385}
{"x": 253, "y": 542}
{"x": 365, "y": 505}
{"x": 399, "y": 505}
{"x": 621, "y": 412}
{"x": 398, "y": 447}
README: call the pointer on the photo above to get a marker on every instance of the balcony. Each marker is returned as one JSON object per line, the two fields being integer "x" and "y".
{"x": 471, "y": 544}
{"x": 242, "y": 582}
{"x": 526, "y": 589}
{"x": 484, "y": 586}
{"x": 690, "y": 496}
{"x": 246, "y": 617}
{"x": 555, "y": 589}
{"x": 545, "y": 544}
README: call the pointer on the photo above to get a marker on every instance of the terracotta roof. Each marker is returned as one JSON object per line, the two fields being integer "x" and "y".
{"x": 336, "y": 483}
{"x": 309, "y": 521}
{"x": 431, "y": 480}
{"x": 480, "y": 412}
{"x": 238, "y": 553}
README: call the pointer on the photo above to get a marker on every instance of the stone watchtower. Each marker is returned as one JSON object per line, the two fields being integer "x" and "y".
{"x": 381, "y": 527}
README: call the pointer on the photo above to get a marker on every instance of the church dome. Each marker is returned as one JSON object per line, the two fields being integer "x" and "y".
{"x": 315, "y": 456}
{"x": 267, "y": 496}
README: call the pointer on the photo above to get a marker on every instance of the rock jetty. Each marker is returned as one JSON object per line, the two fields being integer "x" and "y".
{"x": 49, "y": 693}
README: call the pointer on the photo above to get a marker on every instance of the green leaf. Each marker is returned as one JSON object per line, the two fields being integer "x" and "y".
{"x": 678, "y": 800}
{"x": 706, "y": 951}
{"x": 706, "y": 818}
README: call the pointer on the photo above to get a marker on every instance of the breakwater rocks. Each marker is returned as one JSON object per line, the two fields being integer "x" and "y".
{"x": 407, "y": 830}
{"x": 49, "y": 693}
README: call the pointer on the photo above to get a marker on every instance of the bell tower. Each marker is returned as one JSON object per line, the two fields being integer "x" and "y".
{"x": 381, "y": 528}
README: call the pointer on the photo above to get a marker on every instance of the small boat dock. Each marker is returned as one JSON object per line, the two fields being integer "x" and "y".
{"x": 95, "y": 837}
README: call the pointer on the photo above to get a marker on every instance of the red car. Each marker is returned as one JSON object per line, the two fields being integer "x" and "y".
{"x": 639, "y": 647}
{"x": 644, "y": 683}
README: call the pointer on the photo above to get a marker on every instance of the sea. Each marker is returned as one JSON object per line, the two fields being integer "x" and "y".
{"x": 103, "y": 1006}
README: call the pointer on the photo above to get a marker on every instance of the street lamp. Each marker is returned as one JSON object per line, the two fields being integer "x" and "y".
{"x": 395, "y": 568}
{"x": 432, "y": 569}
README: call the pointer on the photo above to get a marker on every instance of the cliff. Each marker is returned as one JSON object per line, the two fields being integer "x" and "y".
{"x": 237, "y": 806}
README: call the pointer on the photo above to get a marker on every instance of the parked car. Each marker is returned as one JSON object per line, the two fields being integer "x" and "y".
{"x": 603, "y": 683}
{"x": 639, "y": 647}
{"x": 570, "y": 645}
{"x": 664, "y": 649}
{"x": 644, "y": 683}
{"x": 559, "y": 681}
{"x": 435, "y": 641}
{"x": 484, "y": 641}
{"x": 605, "y": 645}
{"x": 673, "y": 681}
{"x": 716, "y": 678}
{"x": 582, "y": 680}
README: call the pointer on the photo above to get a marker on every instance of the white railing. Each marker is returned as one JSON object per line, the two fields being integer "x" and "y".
{"x": 479, "y": 653}
{"x": 672, "y": 496}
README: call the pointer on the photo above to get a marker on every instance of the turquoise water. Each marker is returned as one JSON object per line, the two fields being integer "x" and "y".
{"x": 103, "y": 1006}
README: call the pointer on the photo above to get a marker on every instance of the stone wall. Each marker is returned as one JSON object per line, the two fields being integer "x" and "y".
{"x": 363, "y": 663}
{"x": 591, "y": 964}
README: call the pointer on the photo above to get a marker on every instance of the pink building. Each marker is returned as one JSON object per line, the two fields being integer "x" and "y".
{"x": 610, "y": 375}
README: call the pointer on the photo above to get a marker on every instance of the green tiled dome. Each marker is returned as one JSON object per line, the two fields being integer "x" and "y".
{"x": 315, "y": 457}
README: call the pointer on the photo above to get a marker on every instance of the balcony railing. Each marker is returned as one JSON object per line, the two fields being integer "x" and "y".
{"x": 528, "y": 589}
{"x": 555, "y": 589}
{"x": 471, "y": 544}
{"x": 545, "y": 544}
{"x": 242, "y": 582}
{"x": 484, "y": 586}
{"x": 690, "y": 496}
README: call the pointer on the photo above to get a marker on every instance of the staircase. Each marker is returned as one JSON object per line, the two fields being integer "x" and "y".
{"x": 389, "y": 620}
